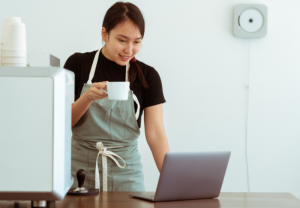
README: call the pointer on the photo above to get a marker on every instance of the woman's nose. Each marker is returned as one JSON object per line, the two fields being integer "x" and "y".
{"x": 128, "y": 49}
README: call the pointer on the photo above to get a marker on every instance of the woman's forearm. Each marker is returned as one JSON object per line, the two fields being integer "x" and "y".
{"x": 79, "y": 107}
{"x": 159, "y": 147}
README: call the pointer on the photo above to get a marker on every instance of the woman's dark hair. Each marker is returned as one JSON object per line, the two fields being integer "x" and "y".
{"x": 117, "y": 14}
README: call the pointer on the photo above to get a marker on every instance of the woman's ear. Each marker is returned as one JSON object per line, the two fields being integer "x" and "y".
{"x": 104, "y": 34}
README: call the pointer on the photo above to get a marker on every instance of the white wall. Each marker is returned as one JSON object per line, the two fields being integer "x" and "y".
{"x": 204, "y": 69}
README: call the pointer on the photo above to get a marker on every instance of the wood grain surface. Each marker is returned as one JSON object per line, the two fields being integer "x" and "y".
{"x": 122, "y": 200}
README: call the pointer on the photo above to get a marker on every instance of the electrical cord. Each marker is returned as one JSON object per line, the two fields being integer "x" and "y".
{"x": 247, "y": 112}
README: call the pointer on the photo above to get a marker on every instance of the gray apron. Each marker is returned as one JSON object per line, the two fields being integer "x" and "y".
{"x": 104, "y": 143}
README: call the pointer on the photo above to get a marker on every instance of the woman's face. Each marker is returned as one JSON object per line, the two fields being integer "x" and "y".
{"x": 123, "y": 42}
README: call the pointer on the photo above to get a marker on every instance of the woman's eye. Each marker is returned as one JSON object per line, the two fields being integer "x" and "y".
{"x": 122, "y": 41}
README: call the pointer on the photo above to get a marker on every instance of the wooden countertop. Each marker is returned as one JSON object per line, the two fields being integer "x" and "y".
{"x": 121, "y": 199}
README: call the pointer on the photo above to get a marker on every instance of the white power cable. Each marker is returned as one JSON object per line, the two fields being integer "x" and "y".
{"x": 247, "y": 112}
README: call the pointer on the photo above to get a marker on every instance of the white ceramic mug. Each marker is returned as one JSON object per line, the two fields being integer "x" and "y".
{"x": 10, "y": 64}
{"x": 13, "y": 60}
{"x": 5, "y": 22}
{"x": 117, "y": 90}
{"x": 15, "y": 37}
{"x": 13, "y": 53}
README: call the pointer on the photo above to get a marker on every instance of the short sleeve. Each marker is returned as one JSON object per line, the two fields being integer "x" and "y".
{"x": 153, "y": 95}
{"x": 72, "y": 65}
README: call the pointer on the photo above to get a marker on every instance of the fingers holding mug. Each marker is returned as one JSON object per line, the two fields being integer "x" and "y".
{"x": 95, "y": 91}
{"x": 100, "y": 85}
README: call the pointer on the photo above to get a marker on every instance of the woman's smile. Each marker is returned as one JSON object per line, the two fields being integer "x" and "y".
{"x": 125, "y": 58}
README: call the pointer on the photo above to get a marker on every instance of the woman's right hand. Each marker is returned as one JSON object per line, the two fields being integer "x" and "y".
{"x": 95, "y": 93}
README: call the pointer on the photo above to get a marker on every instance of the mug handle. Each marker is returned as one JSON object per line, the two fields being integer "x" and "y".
{"x": 104, "y": 90}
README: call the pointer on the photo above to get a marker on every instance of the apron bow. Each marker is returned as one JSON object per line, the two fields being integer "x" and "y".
{"x": 105, "y": 153}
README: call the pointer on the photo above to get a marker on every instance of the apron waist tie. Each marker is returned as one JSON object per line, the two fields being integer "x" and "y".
{"x": 105, "y": 153}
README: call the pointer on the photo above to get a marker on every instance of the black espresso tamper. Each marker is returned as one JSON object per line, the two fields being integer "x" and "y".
{"x": 80, "y": 190}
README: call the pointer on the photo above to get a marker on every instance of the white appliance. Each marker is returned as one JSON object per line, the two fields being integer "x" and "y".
{"x": 250, "y": 20}
{"x": 35, "y": 133}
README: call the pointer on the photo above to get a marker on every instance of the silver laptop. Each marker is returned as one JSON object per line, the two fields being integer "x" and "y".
{"x": 190, "y": 175}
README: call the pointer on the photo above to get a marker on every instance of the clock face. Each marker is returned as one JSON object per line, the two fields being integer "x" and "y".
{"x": 251, "y": 20}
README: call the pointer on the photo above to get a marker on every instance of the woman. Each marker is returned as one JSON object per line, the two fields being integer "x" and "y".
{"x": 105, "y": 133}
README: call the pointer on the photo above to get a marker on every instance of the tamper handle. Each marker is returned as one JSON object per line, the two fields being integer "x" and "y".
{"x": 80, "y": 177}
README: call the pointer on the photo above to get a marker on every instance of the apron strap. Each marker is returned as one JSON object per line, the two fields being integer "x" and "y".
{"x": 126, "y": 73}
{"x": 138, "y": 106}
{"x": 92, "y": 72}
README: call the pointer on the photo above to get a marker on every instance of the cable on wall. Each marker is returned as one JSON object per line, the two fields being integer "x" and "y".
{"x": 247, "y": 112}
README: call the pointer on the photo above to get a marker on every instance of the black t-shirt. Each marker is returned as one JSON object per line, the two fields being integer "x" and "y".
{"x": 107, "y": 70}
